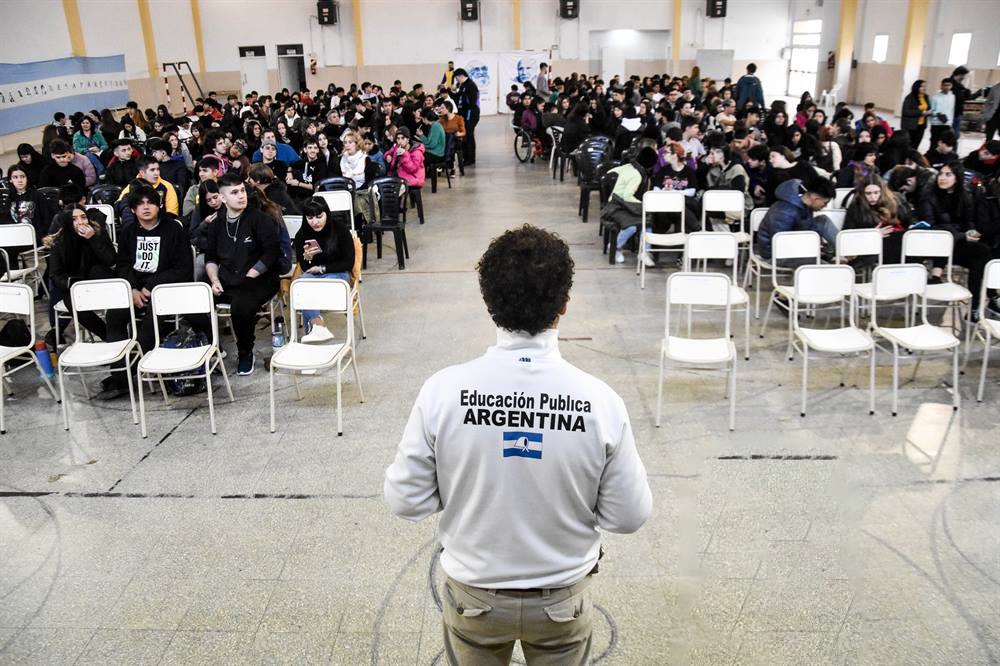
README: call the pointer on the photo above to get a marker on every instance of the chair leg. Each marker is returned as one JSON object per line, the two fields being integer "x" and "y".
{"x": 871, "y": 381}
{"x": 805, "y": 377}
{"x": 788, "y": 351}
{"x": 270, "y": 382}
{"x": 211, "y": 402}
{"x": 895, "y": 378}
{"x": 757, "y": 281}
{"x": 3, "y": 399}
{"x": 732, "y": 396}
{"x": 659, "y": 391}
{"x": 142, "y": 406}
{"x": 298, "y": 389}
{"x": 956, "y": 396}
{"x": 357, "y": 376}
{"x": 406, "y": 246}
{"x": 364, "y": 254}
{"x": 767, "y": 315}
{"x": 340, "y": 416}
{"x": 982, "y": 371}
{"x": 747, "y": 331}
{"x": 131, "y": 393}
{"x": 62, "y": 398}
{"x": 361, "y": 317}
{"x": 225, "y": 377}
{"x": 45, "y": 378}
{"x": 585, "y": 203}
{"x": 399, "y": 249}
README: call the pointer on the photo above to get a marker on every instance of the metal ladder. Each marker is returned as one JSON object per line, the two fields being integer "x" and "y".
{"x": 185, "y": 92}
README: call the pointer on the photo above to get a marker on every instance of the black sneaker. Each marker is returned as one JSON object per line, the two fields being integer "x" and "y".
{"x": 50, "y": 339}
{"x": 112, "y": 391}
{"x": 245, "y": 365}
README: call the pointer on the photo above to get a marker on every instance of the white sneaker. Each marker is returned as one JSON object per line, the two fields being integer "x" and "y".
{"x": 648, "y": 261}
{"x": 317, "y": 334}
{"x": 619, "y": 257}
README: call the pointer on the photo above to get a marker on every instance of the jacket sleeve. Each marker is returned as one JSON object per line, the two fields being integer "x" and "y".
{"x": 411, "y": 487}
{"x": 79, "y": 142}
{"x": 171, "y": 199}
{"x": 104, "y": 249}
{"x": 624, "y": 501}
{"x": 266, "y": 231}
{"x": 412, "y": 162}
{"x": 911, "y": 107}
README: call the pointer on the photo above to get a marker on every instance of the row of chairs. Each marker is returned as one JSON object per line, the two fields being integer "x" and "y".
{"x": 817, "y": 285}
{"x": 177, "y": 300}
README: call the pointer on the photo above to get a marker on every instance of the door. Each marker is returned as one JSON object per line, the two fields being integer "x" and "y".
{"x": 804, "y": 60}
{"x": 291, "y": 72}
{"x": 253, "y": 70}
{"x": 612, "y": 63}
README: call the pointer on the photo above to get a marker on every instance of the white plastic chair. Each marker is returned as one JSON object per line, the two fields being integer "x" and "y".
{"x": 18, "y": 300}
{"x": 814, "y": 283}
{"x": 938, "y": 243}
{"x": 854, "y": 243}
{"x": 295, "y": 357}
{"x": 109, "y": 223}
{"x": 986, "y": 329}
{"x": 725, "y": 201}
{"x": 171, "y": 300}
{"x": 910, "y": 281}
{"x": 21, "y": 235}
{"x": 338, "y": 201}
{"x": 835, "y": 215}
{"x": 757, "y": 265}
{"x": 699, "y": 289}
{"x": 294, "y": 222}
{"x": 83, "y": 358}
{"x": 785, "y": 245}
{"x": 658, "y": 202}
{"x": 704, "y": 245}
{"x": 840, "y": 199}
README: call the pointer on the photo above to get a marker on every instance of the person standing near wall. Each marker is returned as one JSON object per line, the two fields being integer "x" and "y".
{"x": 526, "y": 457}
{"x": 749, "y": 89}
{"x": 962, "y": 95}
{"x": 991, "y": 111}
{"x": 542, "y": 82}
{"x": 916, "y": 108}
{"x": 467, "y": 100}
{"x": 449, "y": 74}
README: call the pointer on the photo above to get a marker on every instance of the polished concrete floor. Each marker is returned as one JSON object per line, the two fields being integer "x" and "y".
{"x": 838, "y": 538}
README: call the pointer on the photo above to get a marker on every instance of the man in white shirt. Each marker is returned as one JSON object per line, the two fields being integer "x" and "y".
{"x": 526, "y": 457}
{"x": 942, "y": 110}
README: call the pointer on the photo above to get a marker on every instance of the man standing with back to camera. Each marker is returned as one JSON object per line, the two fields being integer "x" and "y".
{"x": 526, "y": 457}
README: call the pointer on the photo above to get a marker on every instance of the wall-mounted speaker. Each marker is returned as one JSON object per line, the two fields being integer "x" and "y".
{"x": 326, "y": 12}
{"x": 569, "y": 9}
{"x": 470, "y": 10}
{"x": 716, "y": 9}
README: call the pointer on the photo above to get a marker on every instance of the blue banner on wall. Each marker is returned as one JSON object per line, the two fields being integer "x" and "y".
{"x": 31, "y": 92}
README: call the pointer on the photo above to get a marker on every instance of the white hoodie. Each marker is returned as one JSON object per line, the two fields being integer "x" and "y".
{"x": 526, "y": 456}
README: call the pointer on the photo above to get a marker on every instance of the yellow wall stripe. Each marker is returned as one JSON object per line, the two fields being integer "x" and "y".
{"x": 198, "y": 43}
{"x": 74, "y": 27}
{"x": 517, "y": 24}
{"x": 676, "y": 48}
{"x": 147, "y": 37}
{"x": 359, "y": 47}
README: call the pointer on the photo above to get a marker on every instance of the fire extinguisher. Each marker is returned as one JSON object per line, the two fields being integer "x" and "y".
{"x": 830, "y": 60}
{"x": 312, "y": 66}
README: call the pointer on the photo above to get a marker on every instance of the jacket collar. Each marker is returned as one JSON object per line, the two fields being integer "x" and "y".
{"x": 544, "y": 345}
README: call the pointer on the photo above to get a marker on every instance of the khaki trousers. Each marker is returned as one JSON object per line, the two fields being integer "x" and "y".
{"x": 481, "y": 625}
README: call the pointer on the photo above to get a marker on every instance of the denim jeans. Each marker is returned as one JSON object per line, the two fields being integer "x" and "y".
{"x": 627, "y": 233}
{"x": 309, "y": 315}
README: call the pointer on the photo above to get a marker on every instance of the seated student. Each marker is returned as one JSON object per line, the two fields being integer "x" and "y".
{"x": 531, "y": 118}
{"x": 79, "y": 250}
{"x": 269, "y": 158}
{"x": 577, "y": 127}
{"x": 372, "y": 150}
{"x": 242, "y": 262}
{"x": 172, "y": 169}
{"x": 216, "y": 144}
{"x": 794, "y": 210}
{"x": 154, "y": 250}
{"x": 624, "y": 208}
{"x": 863, "y": 164}
{"x": 757, "y": 172}
{"x": 62, "y": 170}
{"x": 785, "y": 167}
{"x": 431, "y": 134}
{"x": 149, "y": 174}
{"x": 513, "y": 98}
{"x": 723, "y": 172}
{"x": 32, "y": 161}
{"x": 275, "y": 190}
{"x": 27, "y": 206}
{"x": 874, "y": 206}
{"x": 123, "y": 168}
{"x": 304, "y": 174}
{"x": 629, "y": 129}
{"x": 985, "y": 161}
{"x": 203, "y": 215}
{"x": 88, "y": 141}
{"x": 893, "y": 152}
{"x": 946, "y": 204}
{"x": 942, "y": 149}
{"x": 691, "y": 140}
{"x": 406, "y": 160}
{"x": 208, "y": 169}
{"x": 325, "y": 249}
{"x": 676, "y": 175}
{"x": 327, "y": 155}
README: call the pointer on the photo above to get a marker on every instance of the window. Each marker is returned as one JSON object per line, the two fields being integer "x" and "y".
{"x": 959, "y": 53}
{"x": 880, "y": 48}
{"x": 806, "y": 39}
{"x": 816, "y": 25}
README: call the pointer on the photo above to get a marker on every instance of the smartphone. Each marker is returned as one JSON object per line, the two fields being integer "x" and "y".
{"x": 312, "y": 243}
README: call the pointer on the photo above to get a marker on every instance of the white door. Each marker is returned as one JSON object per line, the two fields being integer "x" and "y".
{"x": 612, "y": 63}
{"x": 253, "y": 75}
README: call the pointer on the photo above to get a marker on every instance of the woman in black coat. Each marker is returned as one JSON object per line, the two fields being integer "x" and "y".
{"x": 916, "y": 108}
{"x": 26, "y": 204}
{"x": 325, "y": 249}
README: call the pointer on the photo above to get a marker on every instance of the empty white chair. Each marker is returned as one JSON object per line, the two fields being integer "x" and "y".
{"x": 658, "y": 202}
{"x": 332, "y": 296}
{"x": 83, "y": 358}
{"x": 816, "y": 283}
{"x": 21, "y": 235}
{"x": 910, "y": 281}
{"x": 854, "y": 243}
{"x": 699, "y": 289}
{"x": 937, "y": 243}
{"x": 704, "y": 245}
{"x": 18, "y": 300}
{"x": 793, "y": 245}
{"x": 986, "y": 329}
{"x": 725, "y": 201}
{"x": 337, "y": 201}
{"x": 172, "y": 300}
{"x": 109, "y": 222}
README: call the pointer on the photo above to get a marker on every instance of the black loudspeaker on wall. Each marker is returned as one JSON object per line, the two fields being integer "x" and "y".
{"x": 569, "y": 9}
{"x": 326, "y": 12}
{"x": 716, "y": 9}
{"x": 470, "y": 10}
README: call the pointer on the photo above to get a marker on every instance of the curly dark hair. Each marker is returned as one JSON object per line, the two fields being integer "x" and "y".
{"x": 525, "y": 276}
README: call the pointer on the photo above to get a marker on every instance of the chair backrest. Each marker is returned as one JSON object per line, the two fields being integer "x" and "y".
{"x": 859, "y": 243}
{"x": 895, "y": 281}
{"x": 991, "y": 280}
{"x": 704, "y": 245}
{"x": 110, "y": 294}
{"x": 109, "y": 213}
{"x": 179, "y": 298}
{"x": 823, "y": 280}
{"x": 338, "y": 200}
{"x": 929, "y": 243}
{"x": 684, "y": 288}
{"x": 51, "y": 194}
{"x": 840, "y": 199}
{"x": 793, "y": 245}
{"x": 662, "y": 201}
{"x": 16, "y": 299}
{"x": 105, "y": 194}
{"x": 756, "y": 217}
{"x": 293, "y": 223}
{"x": 324, "y": 295}
{"x": 17, "y": 235}
{"x": 837, "y": 216}
{"x": 387, "y": 194}
{"x": 336, "y": 183}
{"x": 723, "y": 201}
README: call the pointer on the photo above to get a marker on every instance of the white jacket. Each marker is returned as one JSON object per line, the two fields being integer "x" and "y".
{"x": 526, "y": 456}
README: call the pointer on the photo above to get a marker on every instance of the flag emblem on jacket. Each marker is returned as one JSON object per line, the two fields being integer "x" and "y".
{"x": 522, "y": 445}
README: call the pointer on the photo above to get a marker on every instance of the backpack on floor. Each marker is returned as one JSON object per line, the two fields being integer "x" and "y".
{"x": 14, "y": 333}
{"x": 183, "y": 383}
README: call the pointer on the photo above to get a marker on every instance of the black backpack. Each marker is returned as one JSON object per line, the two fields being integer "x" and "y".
{"x": 182, "y": 383}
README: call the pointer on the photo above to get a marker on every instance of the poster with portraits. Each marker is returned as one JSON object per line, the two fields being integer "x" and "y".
{"x": 482, "y": 69}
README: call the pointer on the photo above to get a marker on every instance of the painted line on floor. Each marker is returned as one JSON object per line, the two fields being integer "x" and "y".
{"x": 119, "y": 495}
{"x": 148, "y": 453}
{"x": 759, "y": 456}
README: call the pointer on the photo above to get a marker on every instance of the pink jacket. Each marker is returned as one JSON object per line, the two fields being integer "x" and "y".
{"x": 411, "y": 164}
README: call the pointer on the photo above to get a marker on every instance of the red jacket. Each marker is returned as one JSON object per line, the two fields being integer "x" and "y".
{"x": 410, "y": 165}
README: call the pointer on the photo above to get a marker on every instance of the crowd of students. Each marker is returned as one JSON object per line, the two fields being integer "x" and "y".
{"x": 219, "y": 180}
{"x": 690, "y": 134}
